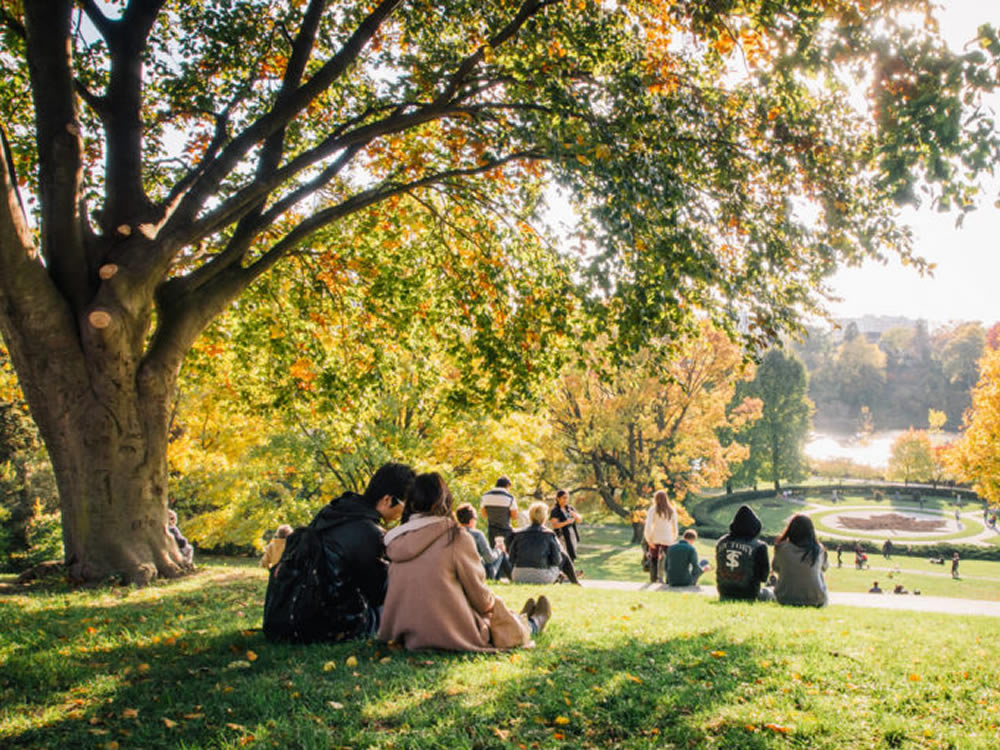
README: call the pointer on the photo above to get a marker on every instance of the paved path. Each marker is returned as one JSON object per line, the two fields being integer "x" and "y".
{"x": 908, "y": 602}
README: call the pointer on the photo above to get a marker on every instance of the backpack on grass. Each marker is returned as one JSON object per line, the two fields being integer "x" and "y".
{"x": 310, "y": 595}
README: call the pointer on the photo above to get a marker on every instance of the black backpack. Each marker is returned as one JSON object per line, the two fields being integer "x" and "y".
{"x": 310, "y": 595}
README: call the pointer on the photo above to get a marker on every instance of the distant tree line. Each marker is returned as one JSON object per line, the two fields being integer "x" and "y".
{"x": 891, "y": 378}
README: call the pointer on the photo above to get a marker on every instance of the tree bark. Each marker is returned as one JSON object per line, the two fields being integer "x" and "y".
{"x": 107, "y": 443}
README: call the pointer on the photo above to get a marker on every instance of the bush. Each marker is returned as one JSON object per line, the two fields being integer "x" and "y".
{"x": 43, "y": 538}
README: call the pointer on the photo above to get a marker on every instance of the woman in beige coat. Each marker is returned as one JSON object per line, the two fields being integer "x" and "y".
{"x": 437, "y": 595}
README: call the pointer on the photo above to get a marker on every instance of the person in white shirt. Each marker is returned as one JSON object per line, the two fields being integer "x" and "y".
{"x": 660, "y": 531}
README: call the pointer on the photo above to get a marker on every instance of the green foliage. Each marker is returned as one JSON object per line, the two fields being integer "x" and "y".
{"x": 912, "y": 457}
{"x": 776, "y": 440}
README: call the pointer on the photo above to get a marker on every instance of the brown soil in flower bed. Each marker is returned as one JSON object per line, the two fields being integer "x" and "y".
{"x": 891, "y": 522}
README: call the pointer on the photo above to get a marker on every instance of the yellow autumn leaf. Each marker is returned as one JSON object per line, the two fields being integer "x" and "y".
{"x": 718, "y": 654}
{"x": 130, "y": 713}
{"x": 142, "y": 668}
{"x": 915, "y": 677}
{"x": 329, "y": 666}
{"x": 562, "y": 720}
{"x": 352, "y": 661}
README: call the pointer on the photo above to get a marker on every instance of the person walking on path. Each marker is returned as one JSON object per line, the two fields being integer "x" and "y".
{"x": 499, "y": 508}
{"x": 563, "y": 519}
{"x": 660, "y": 531}
{"x": 799, "y": 561}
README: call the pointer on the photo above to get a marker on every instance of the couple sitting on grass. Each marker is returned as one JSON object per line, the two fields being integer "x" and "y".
{"x": 799, "y": 562}
{"x": 422, "y": 585}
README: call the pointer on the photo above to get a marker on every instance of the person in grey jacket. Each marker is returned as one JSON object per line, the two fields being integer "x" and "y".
{"x": 799, "y": 561}
{"x": 495, "y": 560}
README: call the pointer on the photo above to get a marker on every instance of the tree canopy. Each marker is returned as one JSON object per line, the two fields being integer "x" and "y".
{"x": 160, "y": 156}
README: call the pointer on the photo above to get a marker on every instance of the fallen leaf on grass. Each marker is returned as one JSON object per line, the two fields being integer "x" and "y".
{"x": 329, "y": 666}
{"x": 562, "y": 720}
{"x": 194, "y": 716}
{"x": 251, "y": 656}
{"x": 142, "y": 668}
{"x": 235, "y": 727}
{"x": 633, "y": 678}
{"x": 238, "y": 664}
{"x": 385, "y": 660}
{"x": 169, "y": 723}
{"x": 558, "y": 735}
{"x": 335, "y": 705}
{"x": 779, "y": 728}
{"x": 352, "y": 661}
{"x": 501, "y": 733}
{"x": 718, "y": 654}
{"x": 915, "y": 677}
{"x": 130, "y": 713}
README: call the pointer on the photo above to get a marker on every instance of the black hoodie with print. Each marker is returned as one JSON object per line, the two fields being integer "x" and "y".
{"x": 741, "y": 563}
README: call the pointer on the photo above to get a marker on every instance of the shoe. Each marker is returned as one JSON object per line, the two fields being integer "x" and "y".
{"x": 529, "y": 608}
{"x": 542, "y": 613}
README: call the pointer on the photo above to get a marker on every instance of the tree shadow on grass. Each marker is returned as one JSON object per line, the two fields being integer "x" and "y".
{"x": 202, "y": 690}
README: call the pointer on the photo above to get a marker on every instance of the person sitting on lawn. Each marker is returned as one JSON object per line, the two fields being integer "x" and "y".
{"x": 495, "y": 560}
{"x": 741, "y": 563}
{"x": 875, "y": 589}
{"x": 900, "y": 589}
{"x": 683, "y": 566}
{"x": 799, "y": 561}
{"x": 275, "y": 548}
{"x": 535, "y": 555}
{"x": 437, "y": 595}
{"x": 186, "y": 548}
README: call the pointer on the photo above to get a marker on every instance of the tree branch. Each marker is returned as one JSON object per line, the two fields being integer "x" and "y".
{"x": 275, "y": 119}
{"x": 104, "y": 25}
{"x": 125, "y": 200}
{"x": 57, "y": 135}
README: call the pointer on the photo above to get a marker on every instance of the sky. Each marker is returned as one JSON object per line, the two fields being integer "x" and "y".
{"x": 966, "y": 282}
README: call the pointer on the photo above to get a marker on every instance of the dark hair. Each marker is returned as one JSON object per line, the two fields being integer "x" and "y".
{"x": 391, "y": 479}
{"x": 429, "y": 494}
{"x": 561, "y": 493}
{"x": 801, "y": 532}
{"x": 503, "y": 482}
{"x": 465, "y": 513}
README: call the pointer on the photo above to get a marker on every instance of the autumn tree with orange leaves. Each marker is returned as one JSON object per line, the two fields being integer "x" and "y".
{"x": 159, "y": 157}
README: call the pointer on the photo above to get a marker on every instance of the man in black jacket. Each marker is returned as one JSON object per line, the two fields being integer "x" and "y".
{"x": 351, "y": 527}
{"x": 741, "y": 563}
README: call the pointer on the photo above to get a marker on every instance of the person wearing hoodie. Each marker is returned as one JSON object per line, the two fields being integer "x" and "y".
{"x": 741, "y": 563}
{"x": 437, "y": 595}
{"x": 799, "y": 561}
{"x": 352, "y": 526}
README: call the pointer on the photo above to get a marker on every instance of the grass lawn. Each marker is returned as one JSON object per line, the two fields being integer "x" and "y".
{"x": 605, "y": 554}
{"x": 180, "y": 666}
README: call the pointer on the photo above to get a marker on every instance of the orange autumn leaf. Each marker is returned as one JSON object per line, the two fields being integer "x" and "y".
{"x": 718, "y": 654}
{"x": 779, "y": 728}
{"x": 169, "y": 723}
{"x": 251, "y": 656}
{"x": 130, "y": 713}
{"x": 915, "y": 677}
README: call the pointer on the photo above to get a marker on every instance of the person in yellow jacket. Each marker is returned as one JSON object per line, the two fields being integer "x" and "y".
{"x": 276, "y": 547}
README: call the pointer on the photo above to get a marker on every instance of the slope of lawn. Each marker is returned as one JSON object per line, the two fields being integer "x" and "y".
{"x": 180, "y": 665}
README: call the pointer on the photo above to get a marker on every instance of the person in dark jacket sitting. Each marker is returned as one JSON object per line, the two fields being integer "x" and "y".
{"x": 535, "y": 555}
{"x": 351, "y": 526}
{"x": 741, "y": 563}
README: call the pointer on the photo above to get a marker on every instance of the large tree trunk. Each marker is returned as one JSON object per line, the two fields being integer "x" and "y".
{"x": 106, "y": 433}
